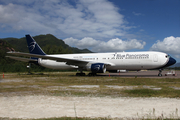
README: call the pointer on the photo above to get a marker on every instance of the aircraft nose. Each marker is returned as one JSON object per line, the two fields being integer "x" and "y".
{"x": 172, "y": 61}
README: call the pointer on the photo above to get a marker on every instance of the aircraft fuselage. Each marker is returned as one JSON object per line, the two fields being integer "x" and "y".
{"x": 119, "y": 60}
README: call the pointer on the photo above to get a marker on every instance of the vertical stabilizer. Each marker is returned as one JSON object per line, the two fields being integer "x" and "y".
{"x": 34, "y": 48}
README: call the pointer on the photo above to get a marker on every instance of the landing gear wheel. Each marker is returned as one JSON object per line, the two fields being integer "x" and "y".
{"x": 80, "y": 74}
{"x": 92, "y": 74}
{"x": 160, "y": 73}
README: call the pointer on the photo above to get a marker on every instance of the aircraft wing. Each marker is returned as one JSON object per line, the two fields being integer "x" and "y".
{"x": 22, "y": 59}
{"x": 58, "y": 59}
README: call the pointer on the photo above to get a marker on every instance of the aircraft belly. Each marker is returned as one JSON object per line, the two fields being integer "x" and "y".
{"x": 55, "y": 65}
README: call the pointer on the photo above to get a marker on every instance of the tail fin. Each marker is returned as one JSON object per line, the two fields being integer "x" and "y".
{"x": 34, "y": 48}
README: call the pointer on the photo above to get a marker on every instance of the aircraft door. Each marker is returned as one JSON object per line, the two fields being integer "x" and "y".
{"x": 155, "y": 58}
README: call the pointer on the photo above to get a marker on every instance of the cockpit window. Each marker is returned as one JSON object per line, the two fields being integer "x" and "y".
{"x": 167, "y": 56}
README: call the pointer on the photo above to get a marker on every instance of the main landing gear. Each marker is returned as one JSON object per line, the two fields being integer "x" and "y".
{"x": 83, "y": 74}
{"x": 160, "y": 73}
{"x": 80, "y": 74}
{"x": 92, "y": 74}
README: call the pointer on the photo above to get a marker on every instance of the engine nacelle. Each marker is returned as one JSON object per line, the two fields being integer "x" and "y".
{"x": 98, "y": 68}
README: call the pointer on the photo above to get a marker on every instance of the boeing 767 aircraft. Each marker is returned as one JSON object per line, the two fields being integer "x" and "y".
{"x": 95, "y": 62}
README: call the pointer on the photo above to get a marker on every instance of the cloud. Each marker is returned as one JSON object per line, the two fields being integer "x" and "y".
{"x": 113, "y": 45}
{"x": 169, "y": 45}
{"x": 93, "y": 18}
{"x": 77, "y": 22}
{"x": 86, "y": 42}
{"x": 14, "y": 17}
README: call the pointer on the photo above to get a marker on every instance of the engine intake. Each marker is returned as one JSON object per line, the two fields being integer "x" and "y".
{"x": 98, "y": 68}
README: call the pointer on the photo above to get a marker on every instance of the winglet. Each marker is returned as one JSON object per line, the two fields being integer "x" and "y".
{"x": 34, "y": 48}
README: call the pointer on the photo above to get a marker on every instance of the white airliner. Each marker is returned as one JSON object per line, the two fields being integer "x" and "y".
{"x": 95, "y": 62}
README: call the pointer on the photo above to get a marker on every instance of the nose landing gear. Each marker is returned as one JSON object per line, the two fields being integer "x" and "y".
{"x": 160, "y": 73}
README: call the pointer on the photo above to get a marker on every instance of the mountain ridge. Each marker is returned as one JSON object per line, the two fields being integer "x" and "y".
{"x": 48, "y": 43}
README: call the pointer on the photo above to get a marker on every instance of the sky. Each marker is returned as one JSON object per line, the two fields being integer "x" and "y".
{"x": 98, "y": 25}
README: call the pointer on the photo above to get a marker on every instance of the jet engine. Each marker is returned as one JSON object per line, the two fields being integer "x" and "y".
{"x": 98, "y": 68}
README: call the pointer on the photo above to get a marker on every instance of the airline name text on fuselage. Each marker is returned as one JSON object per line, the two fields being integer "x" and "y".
{"x": 115, "y": 56}
{"x": 129, "y": 56}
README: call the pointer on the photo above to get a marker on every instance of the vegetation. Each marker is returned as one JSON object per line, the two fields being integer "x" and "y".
{"x": 66, "y": 83}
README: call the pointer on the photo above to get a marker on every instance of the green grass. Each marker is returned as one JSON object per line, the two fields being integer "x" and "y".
{"x": 153, "y": 93}
{"x": 59, "y": 84}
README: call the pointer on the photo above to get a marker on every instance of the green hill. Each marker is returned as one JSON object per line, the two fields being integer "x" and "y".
{"x": 49, "y": 43}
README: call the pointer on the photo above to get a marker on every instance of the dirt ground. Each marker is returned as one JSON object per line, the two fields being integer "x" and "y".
{"x": 57, "y": 106}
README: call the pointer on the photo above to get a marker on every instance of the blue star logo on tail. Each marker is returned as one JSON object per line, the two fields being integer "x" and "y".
{"x": 32, "y": 46}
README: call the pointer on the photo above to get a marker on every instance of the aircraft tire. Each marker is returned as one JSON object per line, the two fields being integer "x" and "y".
{"x": 92, "y": 74}
{"x": 160, "y": 75}
{"x": 80, "y": 74}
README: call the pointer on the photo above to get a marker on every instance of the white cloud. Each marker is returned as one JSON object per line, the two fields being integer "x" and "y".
{"x": 93, "y": 18}
{"x": 169, "y": 45}
{"x": 102, "y": 46}
{"x": 86, "y": 42}
{"x": 80, "y": 19}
